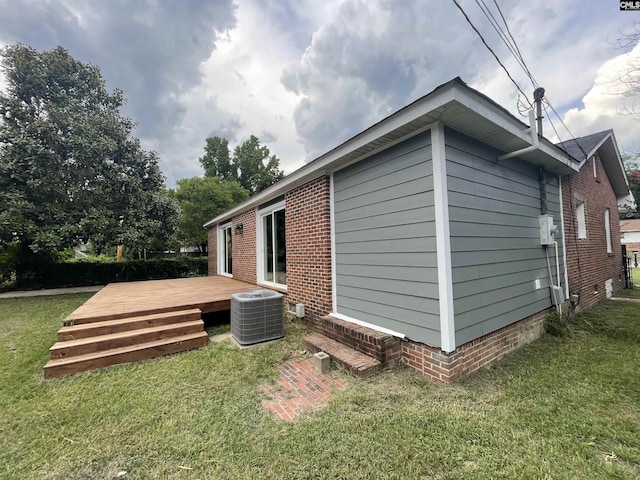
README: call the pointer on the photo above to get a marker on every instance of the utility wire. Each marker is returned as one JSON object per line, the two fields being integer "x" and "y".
{"x": 564, "y": 125}
{"x": 510, "y": 43}
{"x": 489, "y": 48}
{"x": 515, "y": 44}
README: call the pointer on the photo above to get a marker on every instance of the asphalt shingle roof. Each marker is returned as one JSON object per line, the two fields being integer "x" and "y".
{"x": 588, "y": 143}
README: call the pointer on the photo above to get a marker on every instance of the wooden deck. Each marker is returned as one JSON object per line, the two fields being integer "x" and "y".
{"x": 121, "y": 300}
{"x": 128, "y": 322}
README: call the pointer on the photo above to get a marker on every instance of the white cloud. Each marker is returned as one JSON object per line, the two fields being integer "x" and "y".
{"x": 606, "y": 106}
{"x": 242, "y": 76}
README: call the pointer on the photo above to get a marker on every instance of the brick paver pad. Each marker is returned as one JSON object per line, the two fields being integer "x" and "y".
{"x": 298, "y": 388}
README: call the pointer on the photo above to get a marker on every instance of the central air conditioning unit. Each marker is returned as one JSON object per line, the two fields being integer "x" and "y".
{"x": 256, "y": 316}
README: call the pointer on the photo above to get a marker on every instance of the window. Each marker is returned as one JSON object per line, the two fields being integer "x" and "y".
{"x": 225, "y": 250}
{"x": 595, "y": 167}
{"x": 607, "y": 229}
{"x": 272, "y": 266}
{"x": 581, "y": 219}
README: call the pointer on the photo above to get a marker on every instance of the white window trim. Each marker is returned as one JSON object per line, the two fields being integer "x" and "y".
{"x": 260, "y": 245}
{"x": 221, "y": 259}
{"x": 607, "y": 229}
{"x": 581, "y": 219}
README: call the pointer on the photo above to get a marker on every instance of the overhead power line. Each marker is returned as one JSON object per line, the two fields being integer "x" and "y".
{"x": 490, "y": 49}
{"x": 509, "y": 40}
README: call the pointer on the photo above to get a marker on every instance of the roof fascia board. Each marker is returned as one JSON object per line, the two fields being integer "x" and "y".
{"x": 505, "y": 120}
{"x": 322, "y": 164}
{"x": 619, "y": 158}
{"x": 595, "y": 149}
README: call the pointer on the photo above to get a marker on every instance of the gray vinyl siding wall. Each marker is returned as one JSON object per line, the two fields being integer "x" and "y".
{"x": 495, "y": 237}
{"x": 385, "y": 246}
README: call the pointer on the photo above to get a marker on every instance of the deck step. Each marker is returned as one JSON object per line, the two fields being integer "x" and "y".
{"x": 72, "y": 320}
{"x": 107, "y": 327}
{"x": 357, "y": 363}
{"x": 133, "y": 353}
{"x": 101, "y": 343}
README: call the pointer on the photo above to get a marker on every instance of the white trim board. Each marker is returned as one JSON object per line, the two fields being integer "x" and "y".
{"x": 564, "y": 243}
{"x": 432, "y": 107}
{"x": 443, "y": 240}
{"x": 346, "y": 318}
{"x": 332, "y": 214}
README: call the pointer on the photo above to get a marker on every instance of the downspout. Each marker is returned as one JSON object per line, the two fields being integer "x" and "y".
{"x": 535, "y": 142}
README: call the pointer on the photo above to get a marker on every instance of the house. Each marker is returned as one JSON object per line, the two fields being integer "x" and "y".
{"x": 591, "y": 201}
{"x": 430, "y": 234}
{"x": 630, "y": 234}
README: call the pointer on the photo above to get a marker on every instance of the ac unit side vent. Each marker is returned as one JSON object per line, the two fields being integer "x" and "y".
{"x": 257, "y": 316}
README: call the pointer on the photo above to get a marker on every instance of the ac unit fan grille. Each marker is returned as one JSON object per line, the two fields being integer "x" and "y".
{"x": 256, "y": 316}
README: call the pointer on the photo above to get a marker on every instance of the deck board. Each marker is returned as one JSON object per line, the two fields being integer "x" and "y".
{"x": 118, "y": 300}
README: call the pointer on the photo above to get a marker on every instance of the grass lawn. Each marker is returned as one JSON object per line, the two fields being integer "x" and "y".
{"x": 561, "y": 408}
{"x": 635, "y": 291}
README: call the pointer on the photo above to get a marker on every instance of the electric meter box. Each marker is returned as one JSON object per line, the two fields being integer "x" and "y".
{"x": 547, "y": 230}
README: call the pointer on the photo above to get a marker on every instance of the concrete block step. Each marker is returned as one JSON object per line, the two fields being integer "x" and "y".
{"x": 106, "y": 327}
{"x": 133, "y": 353}
{"x": 82, "y": 346}
{"x": 357, "y": 363}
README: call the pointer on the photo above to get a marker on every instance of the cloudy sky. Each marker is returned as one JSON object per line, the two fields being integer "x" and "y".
{"x": 305, "y": 75}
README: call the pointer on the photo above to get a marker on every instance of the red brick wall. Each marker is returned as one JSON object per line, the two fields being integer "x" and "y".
{"x": 308, "y": 234}
{"x": 308, "y": 237}
{"x": 481, "y": 352}
{"x": 588, "y": 263}
{"x": 244, "y": 247}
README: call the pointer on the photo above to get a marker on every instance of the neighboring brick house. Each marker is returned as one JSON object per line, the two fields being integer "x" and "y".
{"x": 420, "y": 239}
{"x": 591, "y": 200}
{"x": 630, "y": 235}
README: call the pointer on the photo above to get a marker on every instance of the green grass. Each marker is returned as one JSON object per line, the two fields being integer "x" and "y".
{"x": 635, "y": 291}
{"x": 561, "y": 408}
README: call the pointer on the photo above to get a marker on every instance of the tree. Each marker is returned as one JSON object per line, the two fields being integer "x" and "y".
{"x": 252, "y": 165}
{"x": 629, "y": 78}
{"x": 201, "y": 199}
{"x": 632, "y": 168}
{"x": 216, "y": 160}
{"x": 257, "y": 169}
{"x": 70, "y": 169}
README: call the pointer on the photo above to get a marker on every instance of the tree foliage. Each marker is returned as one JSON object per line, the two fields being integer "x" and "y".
{"x": 201, "y": 199}
{"x": 216, "y": 160}
{"x": 629, "y": 77}
{"x": 70, "y": 168}
{"x": 632, "y": 168}
{"x": 252, "y": 165}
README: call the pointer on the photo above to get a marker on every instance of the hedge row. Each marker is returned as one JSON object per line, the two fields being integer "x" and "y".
{"x": 83, "y": 273}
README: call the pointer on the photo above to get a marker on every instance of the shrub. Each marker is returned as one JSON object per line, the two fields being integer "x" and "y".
{"x": 77, "y": 273}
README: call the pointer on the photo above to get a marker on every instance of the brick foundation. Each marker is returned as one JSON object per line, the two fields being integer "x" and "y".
{"x": 588, "y": 263}
{"x": 383, "y": 347}
{"x": 481, "y": 352}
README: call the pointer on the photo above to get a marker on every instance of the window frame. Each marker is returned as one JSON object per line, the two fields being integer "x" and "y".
{"x": 607, "y": 230}
{"x": 261, "y": 250}
{"x": 581, "y": 220}
{"x": 222, "y": 258}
